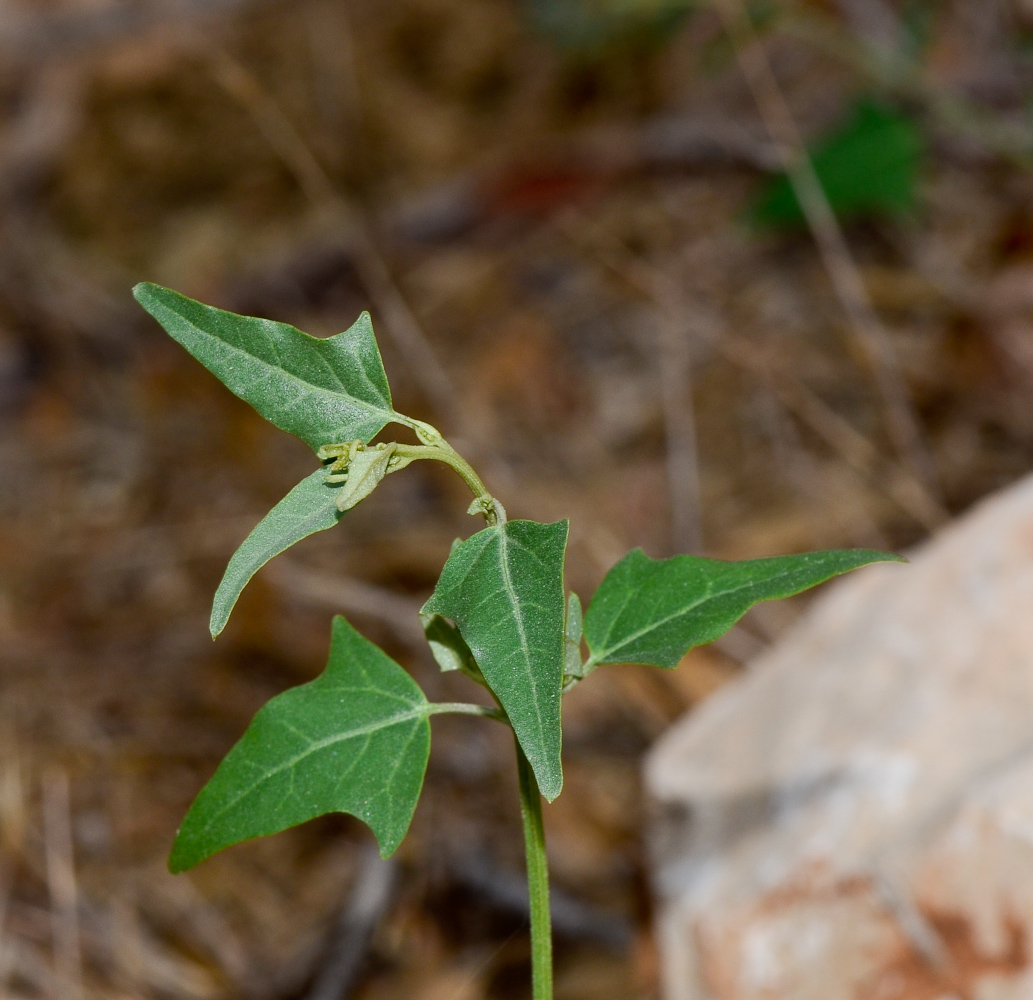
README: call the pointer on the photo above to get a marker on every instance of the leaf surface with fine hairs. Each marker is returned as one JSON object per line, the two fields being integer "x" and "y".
{"x": 655, "y": 610}
{"x": 324, "y": 391}
{"x": 354, "y": 740}
{"x": 503, "y": 587}
{"x": 310, "y": 507}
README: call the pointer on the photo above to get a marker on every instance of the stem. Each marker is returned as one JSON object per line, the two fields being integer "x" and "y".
{"x": 537, "y": 880}
{"x": 465, "y": 708}
{"x": 442, "y": 451}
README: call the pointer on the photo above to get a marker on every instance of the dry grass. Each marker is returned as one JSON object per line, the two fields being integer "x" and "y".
{"x": 431, "y": 156}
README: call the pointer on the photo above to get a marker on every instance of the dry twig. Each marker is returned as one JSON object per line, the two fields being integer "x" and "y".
{"x": 288, "y": 144}
{"x": 680, "y": 429}
{"x": 353, "y": 597}
{"x": 61, "y": 881}
{"x": 832, "y": 245}
{"x": 369, "y": 902}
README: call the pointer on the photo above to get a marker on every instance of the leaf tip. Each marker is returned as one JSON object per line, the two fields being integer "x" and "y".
{"x": 386, "y": 850}
{"x": 876, "y": 557}
{"x": 180, "y": 858}
{"x": 143, "y": 290}
{"x": 216, "y": 623}
{"x": 552, "y": 792}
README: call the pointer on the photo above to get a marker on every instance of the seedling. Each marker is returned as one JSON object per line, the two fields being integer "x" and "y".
{"x": 356, "y": 739}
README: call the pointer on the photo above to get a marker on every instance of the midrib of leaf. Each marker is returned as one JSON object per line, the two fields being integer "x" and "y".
{"x": 370, "y": 407}
{"x": 510, "y": 590}
{"x": 315, "y": 747}
{"x": 596, "y": 658}
{"x": 592, "y": 659}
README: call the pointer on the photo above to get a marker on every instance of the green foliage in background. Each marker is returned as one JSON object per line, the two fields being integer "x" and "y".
{"x": 592, "y": 25}
{"x": 356, "y": 740}
{"x": 868, "y": 166}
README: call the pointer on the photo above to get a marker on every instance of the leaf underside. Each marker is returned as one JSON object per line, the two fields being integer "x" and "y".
{"x": 354, "y": 740}
{"x": 573, "y": 631}
{"x": 655, "y": 610}
{"x": 324, "y": 391}
{"x": 310, "y": 507}
{"x": 503, "y": 587}
{"x": 448, "y": 647}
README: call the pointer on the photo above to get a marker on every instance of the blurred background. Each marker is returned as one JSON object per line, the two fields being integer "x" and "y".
{"x": 599, "y": 260}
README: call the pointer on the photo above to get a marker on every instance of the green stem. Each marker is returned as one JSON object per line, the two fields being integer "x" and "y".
{"x": 442, "y": 451}
{"x": 465, "y": 708}
{"x": 537, "y": 880}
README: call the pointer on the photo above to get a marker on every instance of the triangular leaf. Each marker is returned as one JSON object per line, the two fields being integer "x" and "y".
{"x": 503, "y": 587}
{"x": 655, "y": 610}
{"x": 310, "y": 507}
{"x": 324, "y": 391}
{"x": 354, "y": 740}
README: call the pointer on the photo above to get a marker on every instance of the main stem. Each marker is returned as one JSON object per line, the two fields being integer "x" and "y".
{"x": 537, "y": 880}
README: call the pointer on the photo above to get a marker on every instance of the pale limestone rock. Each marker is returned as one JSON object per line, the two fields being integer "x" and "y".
{"x": 853, "y": 819}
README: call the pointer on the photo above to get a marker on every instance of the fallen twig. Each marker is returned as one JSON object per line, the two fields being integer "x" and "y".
{"x": 571, "y": 917}
{"x": 27, "y": 39}
{"x": 61, "y": 881}
{"x": 353, "y": 597}
{"x": 369, "y": 902}
{"x": 288, "y": 144}
{"x": 832, "y": 245}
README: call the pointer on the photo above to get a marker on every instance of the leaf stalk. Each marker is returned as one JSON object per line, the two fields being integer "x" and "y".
{"x": 442, "y": 451}
{"x": 466, "y": 708}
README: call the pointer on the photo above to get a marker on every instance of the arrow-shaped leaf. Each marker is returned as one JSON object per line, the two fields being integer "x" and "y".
{"x": 354, "y": 740}
{"x": 503, "y": 587}
{"x": 655, "y": 610}
{"x": 310, "y": 507}
{"x": 324, "y": 391}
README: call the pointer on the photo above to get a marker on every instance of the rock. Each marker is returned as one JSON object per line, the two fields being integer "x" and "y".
{"x": 853, "y": 819}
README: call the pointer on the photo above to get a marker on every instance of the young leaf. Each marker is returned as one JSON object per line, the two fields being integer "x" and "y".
{"x": 503, "y": 587}
{"x": 354, "y": 740}
{"x": 324, "y": 391}
{"x": 310, "y": 507}
{"x": 448, "y": 647}
{"x": 572, "y": 632}
{"x": 366, "y": 471}
{"x": 655, "y": 610}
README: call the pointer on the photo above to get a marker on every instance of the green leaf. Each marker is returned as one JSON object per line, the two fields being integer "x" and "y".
{"x": 655, "y": 610}
{"x": 310, "y": 507}
{"x": 448, "y": 647}
{"x": 366, "y": 469}
{"x": 354, "y": 740}
{"x": 869, "y": 166}
{"x": 572, "y": 633}
{"x": 324, "y": 391}
{"x": 503, "y": 587}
